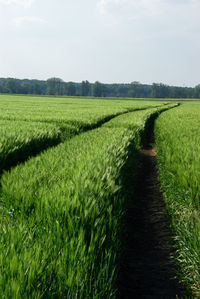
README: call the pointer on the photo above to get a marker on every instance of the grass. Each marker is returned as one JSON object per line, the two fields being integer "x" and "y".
{"x": 178, "y": 142}
{"x": 71, "y": 110}
{"x": 32, "y": 124}
{"x": 62, "y": 214}
{"x": 19, "y": 140}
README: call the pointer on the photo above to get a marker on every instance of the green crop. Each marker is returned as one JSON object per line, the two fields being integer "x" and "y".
{"x": 62, "y": 213}
{"x": 73, "y": 111}
{"x": 65, "y": 212}
{"x": 137, "y": 119}
{"x": 29, "y": 125}
{"x": 178, "y": 143}
{"x": 19, "y": 140}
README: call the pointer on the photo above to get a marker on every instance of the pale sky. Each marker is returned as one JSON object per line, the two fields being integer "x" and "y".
{"x": 110, "y": 41}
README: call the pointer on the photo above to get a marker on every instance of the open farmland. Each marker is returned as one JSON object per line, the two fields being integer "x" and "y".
{"x": 31, "y": 124}
{"x": 62, "y": 210}
{"x": 178, "y": 142}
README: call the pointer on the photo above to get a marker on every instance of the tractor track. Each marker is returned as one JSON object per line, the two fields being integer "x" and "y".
{"x": 147, "y": 269}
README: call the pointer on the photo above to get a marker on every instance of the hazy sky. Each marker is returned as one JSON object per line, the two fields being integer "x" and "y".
{"x": 106, "y": 40}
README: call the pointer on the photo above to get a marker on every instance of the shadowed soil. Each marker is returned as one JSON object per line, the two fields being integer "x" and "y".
{"x": 147, "y": 270}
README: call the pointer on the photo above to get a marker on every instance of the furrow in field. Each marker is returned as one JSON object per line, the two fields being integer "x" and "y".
{"x": 62, "y": 214}
{"x": 21, "y": 140}
{"x": 147, "y": 270}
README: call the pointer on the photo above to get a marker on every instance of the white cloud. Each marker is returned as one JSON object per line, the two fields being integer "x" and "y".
{"x": 21, "y": 21}
{"x": 103, "y": 4}
{"x": 135, "y": 5}
{"x": 25, "y": 3}
{"x": 143, "y": 7}
{"x": 107, "y": 5}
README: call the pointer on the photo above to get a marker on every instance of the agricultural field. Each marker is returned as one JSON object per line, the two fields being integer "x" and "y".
{"x": 64, "y": 190}
{"x": 78, "y": 112}
{"x": 178, "y": 143}
{"x": 31, "y": 124}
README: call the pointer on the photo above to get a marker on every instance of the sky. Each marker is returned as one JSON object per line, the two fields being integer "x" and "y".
{"x": 111, "y": 41}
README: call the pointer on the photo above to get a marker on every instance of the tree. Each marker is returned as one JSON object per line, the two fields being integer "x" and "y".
{"x": 197, "y": 91}
{"x": 136, "y": 90}
{"x": 71, "y": 89}
{"x": 120, "y": 90}
{"x": 11, "y": 86}
{"x": 55, "y": 86}
{"x": 37, "y": 88}
{"x": 160, "y": 90}
{"x": 85, "y": 88}
{"x": 98, "y": 89}
{"x": 103, "y": 90}
{"x": 26, "y": 87}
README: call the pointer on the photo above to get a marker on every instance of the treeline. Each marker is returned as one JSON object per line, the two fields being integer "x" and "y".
{"x": 56, "y": 86}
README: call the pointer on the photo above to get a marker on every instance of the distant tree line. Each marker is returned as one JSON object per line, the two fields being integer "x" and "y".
{"x": 56, "y": 86}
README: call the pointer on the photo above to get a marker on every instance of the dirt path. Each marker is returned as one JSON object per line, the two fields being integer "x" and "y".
{"x": 146, "y": 270}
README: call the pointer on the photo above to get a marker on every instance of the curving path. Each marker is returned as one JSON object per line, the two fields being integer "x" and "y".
{"x": 147, "y": 270}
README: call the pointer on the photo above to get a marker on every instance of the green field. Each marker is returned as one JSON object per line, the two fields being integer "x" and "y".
{"x": 65, "y": 171}
{"x": 178, "y": 141}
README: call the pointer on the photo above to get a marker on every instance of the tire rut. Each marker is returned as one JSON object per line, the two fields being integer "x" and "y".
{"x": 147, "y": 269}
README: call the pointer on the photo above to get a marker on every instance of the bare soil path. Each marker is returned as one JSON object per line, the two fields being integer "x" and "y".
{"x": 147, "y": 270}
